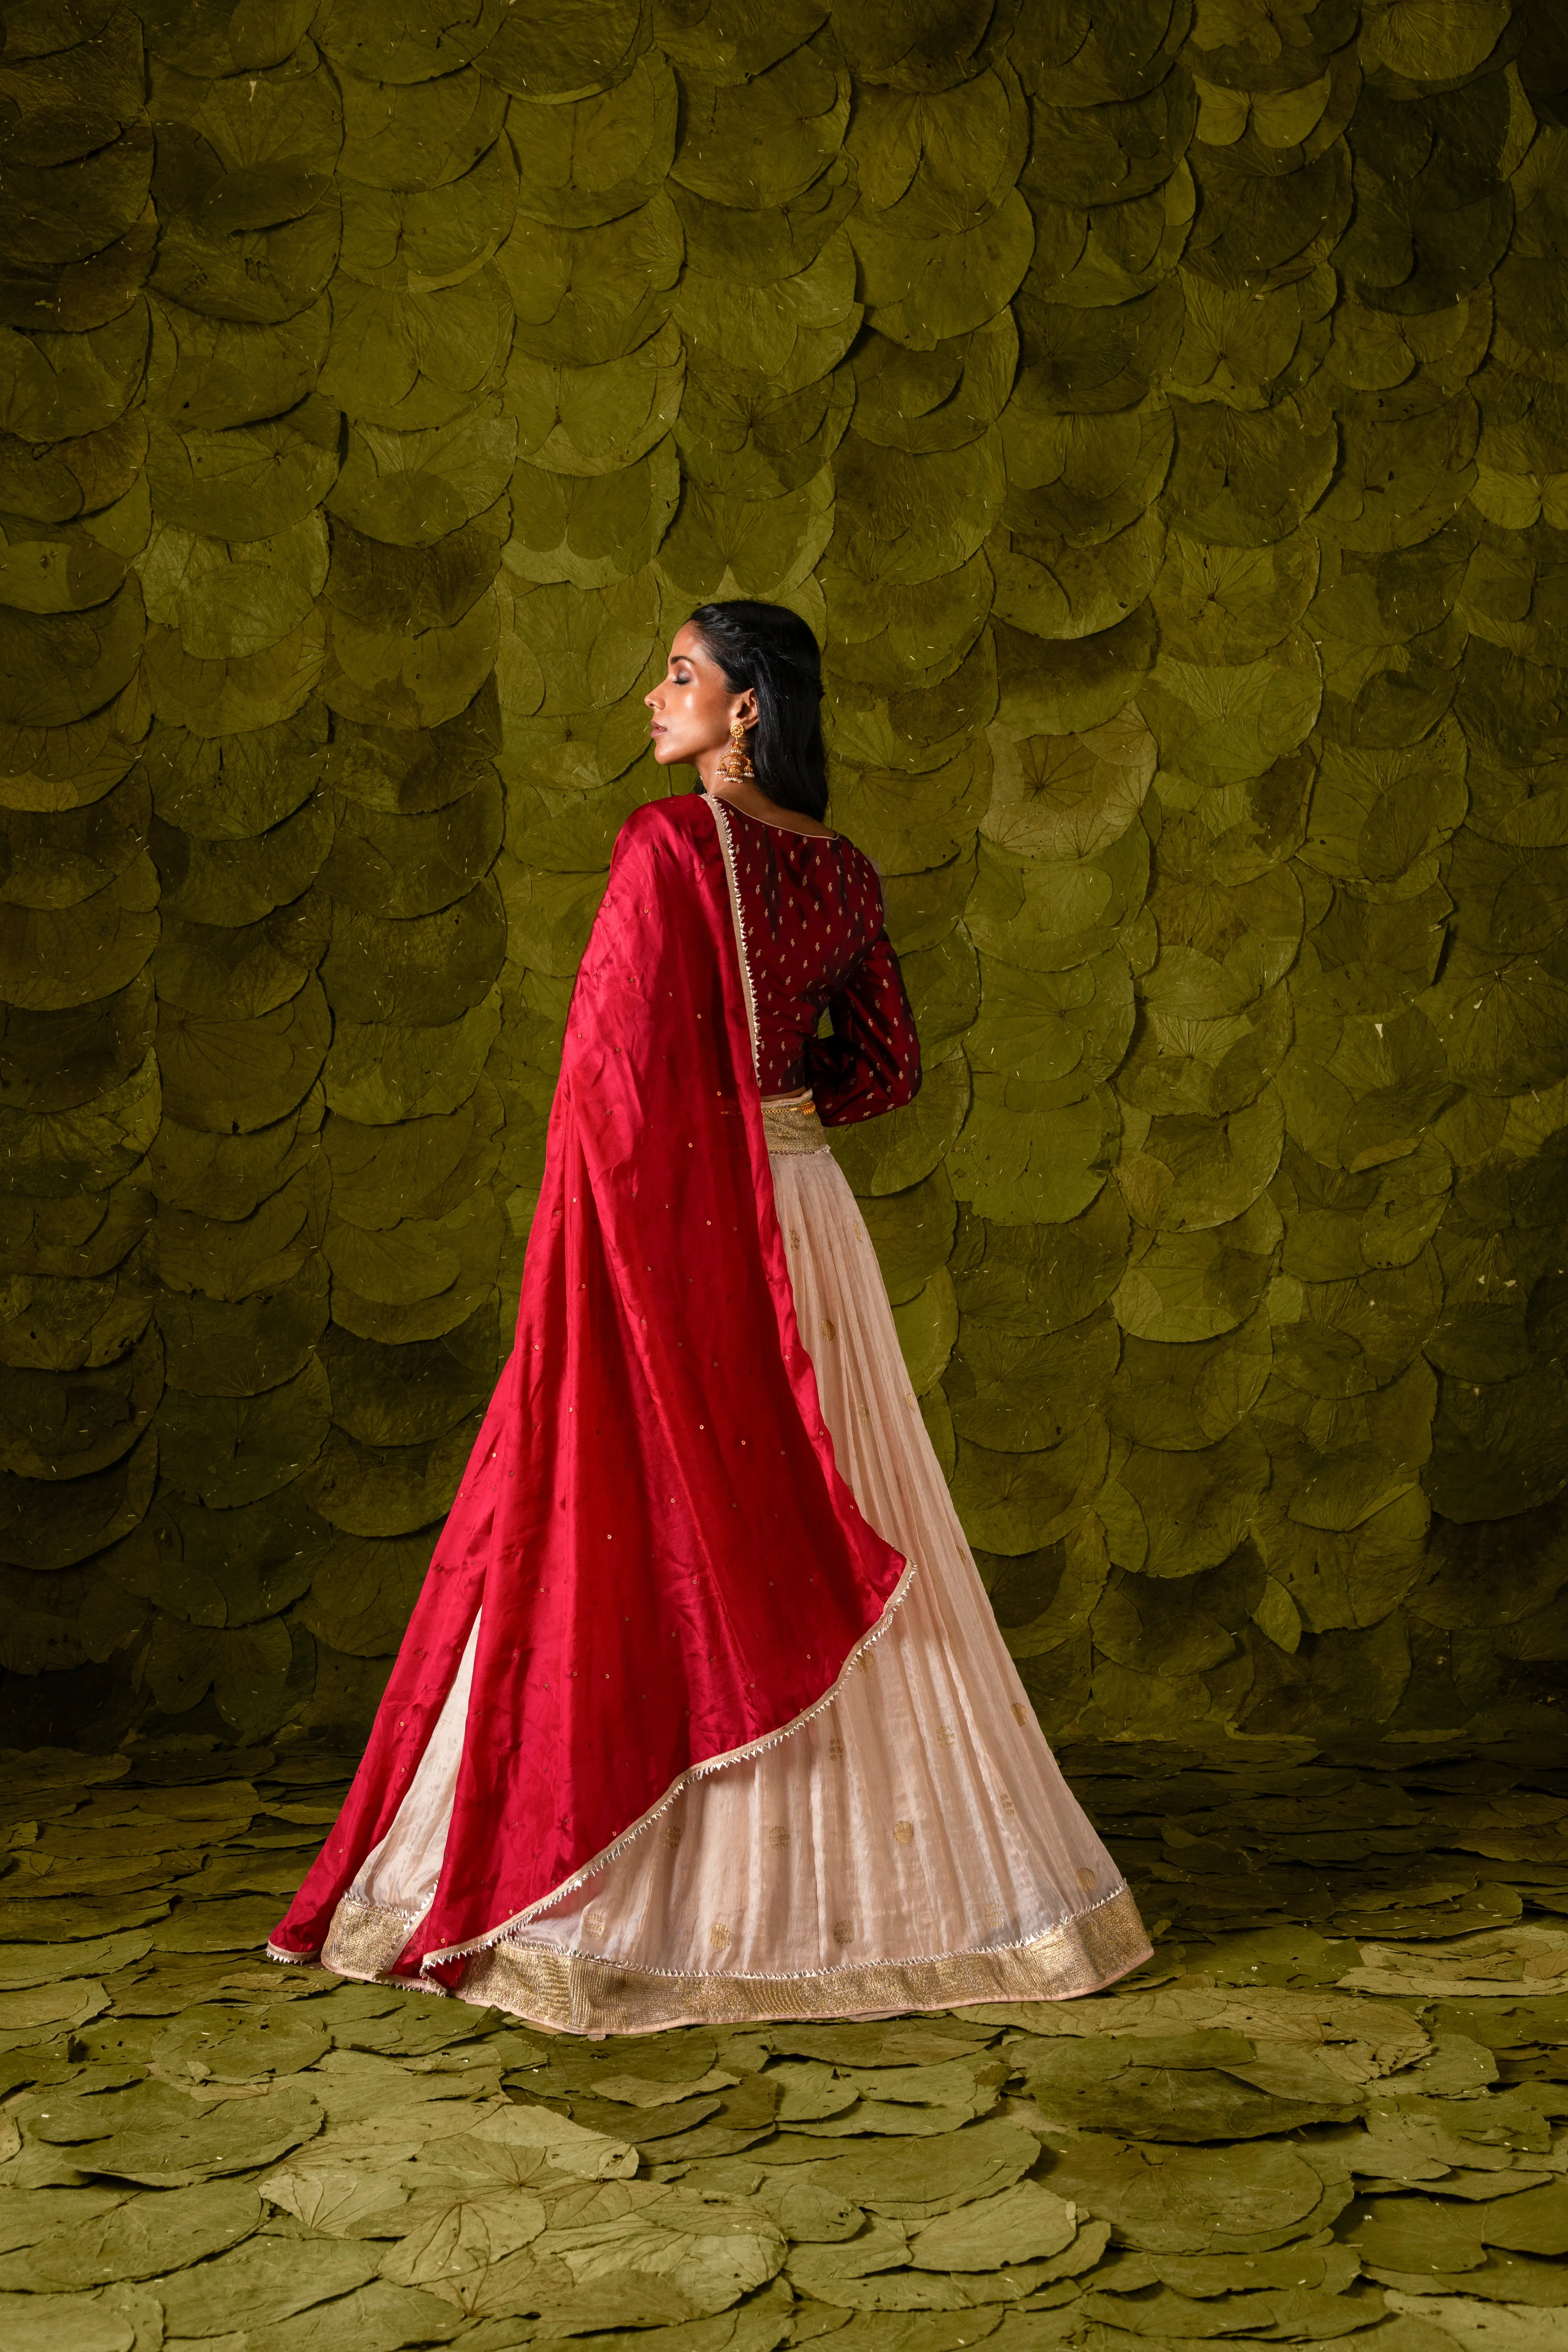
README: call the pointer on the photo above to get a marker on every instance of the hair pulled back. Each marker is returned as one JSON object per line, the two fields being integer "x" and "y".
{"x": 771, "y": 649}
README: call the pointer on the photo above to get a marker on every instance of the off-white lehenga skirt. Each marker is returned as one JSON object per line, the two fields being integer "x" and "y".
{"x": 909, "y": 1845}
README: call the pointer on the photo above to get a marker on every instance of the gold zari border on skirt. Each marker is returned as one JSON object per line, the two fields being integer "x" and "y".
{"x": 576, "y": 1993}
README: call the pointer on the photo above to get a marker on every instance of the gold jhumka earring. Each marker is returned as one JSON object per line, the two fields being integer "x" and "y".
{"x": 735, "y": 767}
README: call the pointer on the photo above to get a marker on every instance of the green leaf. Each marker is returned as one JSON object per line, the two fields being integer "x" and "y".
{"x": 1021, "y": 1392}
{"x": 388, "y": 1490}
{"x": 790, "y": 330}
{"x": 144, "y": 2238}
{"x": 58, "y": 387}
{"x": 732, "y": 44}
{"x": 235, "y": 1076}
{"x": 934, "y": 399}
{"x": 266, "y": 2282}
{"x": 363, "y": 1594}
{"x": 1177, "y": 2203}
{"x": 916, "y": 2181}
{"x": 1068, "y": 795}
{"x": 415, "y": 486}
{"x": 1029, "y": 1165}
{"x": 1020, "y": 2225}
{"x": 407, "y": 359}
{"x": 418, "y": 242}
{"x": 228, "y": 1451}
{"x": 209, "y": 375}
{"x": 378, "y": 1072}
{"x": 903, "y": 519}
{"x": 908, "y": 824}
{"x": 586, "y": 296}
{"x": 889, "y": 1154}
{"x": 421, "y": 136}
{"x": 1052, "y": 589}
{"x": 551, "y": 54}
{"x": 217, "y": 1568}
{"x": 933, "y": 166}
{"x": 1247, "y": 480}
{"x": 921, "y": 290}
{"x": 596, "y": 159}
{"x": 759, "y": 147}
{"x": 245, "y": 694}
{"x": 1190, "y": 1509}
{"x": 1013, "y": 1502}
{"x": 1190, "y": 1174}
{"x": 76, "y": 2323}
{"x": 1183, "y": 1396}
{"x": 165, "y": 2142}
{"x": 56, "y": 668}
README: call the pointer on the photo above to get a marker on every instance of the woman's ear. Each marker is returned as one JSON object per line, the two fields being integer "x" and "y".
{"x": 746, "y": 709}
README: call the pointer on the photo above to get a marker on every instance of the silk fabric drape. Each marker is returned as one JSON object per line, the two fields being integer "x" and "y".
{"x": 665, "y": 1563}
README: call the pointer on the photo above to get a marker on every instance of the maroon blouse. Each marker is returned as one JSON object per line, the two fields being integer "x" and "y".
{"x": 811, "y": 907}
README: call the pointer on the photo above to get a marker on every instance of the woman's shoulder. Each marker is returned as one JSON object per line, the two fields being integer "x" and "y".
{"x": 664, "y": 825}
{"x": 861, "y": 859}
{"x": 679, "y": 813}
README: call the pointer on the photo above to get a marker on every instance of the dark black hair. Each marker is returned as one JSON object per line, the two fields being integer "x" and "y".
{"x": 770, "y": 649}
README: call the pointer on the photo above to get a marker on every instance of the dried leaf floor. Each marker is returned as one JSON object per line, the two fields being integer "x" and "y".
{"x": 1334, "y": 2104}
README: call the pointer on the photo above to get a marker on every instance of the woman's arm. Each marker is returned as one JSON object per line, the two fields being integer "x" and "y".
{"x": 872, "y": 1061}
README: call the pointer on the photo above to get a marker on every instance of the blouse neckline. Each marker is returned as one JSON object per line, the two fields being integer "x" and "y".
{"x": 771, "y": 825}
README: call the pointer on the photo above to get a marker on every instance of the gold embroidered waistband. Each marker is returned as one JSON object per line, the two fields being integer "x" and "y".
{"x": 794, "y": 1127}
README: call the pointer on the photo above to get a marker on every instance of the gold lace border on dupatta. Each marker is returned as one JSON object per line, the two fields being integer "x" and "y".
{"x": 576, "y": 1992}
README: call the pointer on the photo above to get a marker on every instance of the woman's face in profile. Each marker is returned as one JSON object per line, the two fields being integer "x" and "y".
{"x": 691, "y": 705}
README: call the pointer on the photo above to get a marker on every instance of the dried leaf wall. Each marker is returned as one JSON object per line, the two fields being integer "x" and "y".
{"x": 1162, "y": 415}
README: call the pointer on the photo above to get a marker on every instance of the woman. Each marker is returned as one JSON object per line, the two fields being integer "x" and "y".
{"x": 702, "y": 1714}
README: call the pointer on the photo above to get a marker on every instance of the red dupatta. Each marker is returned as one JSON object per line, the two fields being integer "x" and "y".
{"x": 668, "y": 1567}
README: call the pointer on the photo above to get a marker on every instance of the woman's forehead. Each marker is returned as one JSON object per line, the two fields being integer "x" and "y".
{"x": 686, "y": 644}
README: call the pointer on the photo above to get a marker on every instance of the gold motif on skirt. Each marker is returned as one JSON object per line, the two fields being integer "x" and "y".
{"x": 594, "y": 1923}
{"x": 719, "y": 1935}
{"x": 778, "y": 1839}
{"x": 1020, "y": 1713}
{"x": 843, "y": 1931}
{"x": 835, "y": 1748}
{"x": 903, "y": 1833}
{"x": 1085, "y": 1879}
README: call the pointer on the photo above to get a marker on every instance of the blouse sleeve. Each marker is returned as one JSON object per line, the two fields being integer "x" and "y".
{"x": 872, "y": 1061}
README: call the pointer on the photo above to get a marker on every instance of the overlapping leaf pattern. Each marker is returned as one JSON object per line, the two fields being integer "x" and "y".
{"x": 1159, "y": 411}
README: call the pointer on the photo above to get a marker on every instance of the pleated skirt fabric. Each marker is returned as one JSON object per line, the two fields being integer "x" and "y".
{"x": 909, "y": 1844}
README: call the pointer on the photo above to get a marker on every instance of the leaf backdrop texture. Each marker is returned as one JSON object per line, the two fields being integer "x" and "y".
{"x": 1161, "y": 414}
